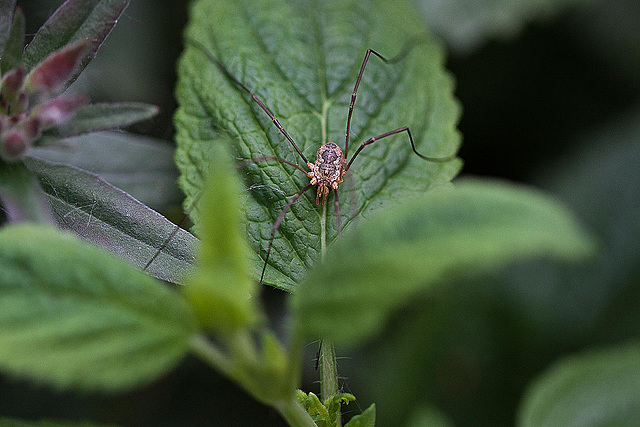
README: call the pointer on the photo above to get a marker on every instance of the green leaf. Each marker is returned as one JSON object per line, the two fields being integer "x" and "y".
{"x": 73, "y": 316}
{"x": 221, "y": 291}
{"x": 304, "y": 69}
{"x": 466, "y": 24}
{"x": 90, "y": 20}
{"x": 109, "y": 217}
{"x": 21, "y": 196}
{"x": 405, "y": 252}
{"x": 6, "y": 15}
{"x": 591, "y": 389}
{"x": 365, "y": 419}
{"x": 138, "y": 165}
{"x": 12, "y": 49}
{"x": 95, "y": 117}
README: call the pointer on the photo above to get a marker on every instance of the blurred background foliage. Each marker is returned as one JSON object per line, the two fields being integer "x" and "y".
{"x": 551, "y": 98}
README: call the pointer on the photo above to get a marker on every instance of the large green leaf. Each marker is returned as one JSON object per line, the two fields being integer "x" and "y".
{"x": 302, "y": 59}
{"x": 404, "y": 253}
{"x": 73, "y": 316}
{"x": 109, "y": 217}
{"x": 591, "y": 389}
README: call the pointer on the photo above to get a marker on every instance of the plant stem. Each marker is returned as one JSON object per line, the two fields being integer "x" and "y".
{"x": 209, "y": 353}
{"x": 328, "y": 365}
{"x": 293, "y": 412}
{"x": 328, "y": 370}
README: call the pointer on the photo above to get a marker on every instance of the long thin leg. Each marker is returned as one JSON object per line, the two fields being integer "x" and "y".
{"x": 276, "y": 225}
{"x": 173, "y": 233}
{"x": 405, "y": 50}
{"x": 184, "y": 218}
{"x": 224, "y": 71}
{"x": 263, "y": 158}
{"x": 413, "y": 146}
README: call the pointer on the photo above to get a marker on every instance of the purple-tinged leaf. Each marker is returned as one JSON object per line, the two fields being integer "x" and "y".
{"x": 14, "y": 44}
{"x": 21, "y": 197}
{"x": 107, "y": 216}
{"x": 58, "y": 110}
{"x": 6, "y": 14}
{"x": 51, "y": 75}
{"x": 12, "y": 83}
{"x": 141, "y": 166}
{"x": 90, "y": 20}
{"x": 96, "y": 117}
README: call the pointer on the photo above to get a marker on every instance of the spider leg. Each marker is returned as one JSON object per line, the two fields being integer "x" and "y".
{"x": 263, "y": 158}
{"x": 405, "y": 50}
{"x": 227, "y": 74}
{"x": 276, "y": 225}
{"x": 413, "y": 147}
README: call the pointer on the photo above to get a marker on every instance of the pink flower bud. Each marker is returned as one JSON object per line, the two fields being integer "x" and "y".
{"x": 12, "y": 83}
{"x": 58, "y": 110}
{"x": 51, "y": 75}
{"x": 13, "y": 145}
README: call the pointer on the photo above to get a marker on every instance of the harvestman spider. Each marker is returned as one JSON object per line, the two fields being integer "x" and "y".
{"x": 331, "y": 162}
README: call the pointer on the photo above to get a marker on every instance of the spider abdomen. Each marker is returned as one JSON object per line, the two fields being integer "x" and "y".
{"x": 327, "y": 171}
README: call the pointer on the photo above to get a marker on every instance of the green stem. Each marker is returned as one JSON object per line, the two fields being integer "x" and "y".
{"x": 209, "y": 353}
{"x": 293, "y": 412}
{"x": 328, "y": 365}
{"x": 328, "y": 370}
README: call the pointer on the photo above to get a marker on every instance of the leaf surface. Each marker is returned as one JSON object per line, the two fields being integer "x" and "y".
{"x": 591, "y": 389}
{"x": 139, "y": 165}
{"x": 95, "y": 117}
{"x": 12, "y": 48}
{"x": 304, "y": 69}
{"x": 6, "y": 15}
{"x": 109, "y": 217}
{"x": 401, "y": 255}
{"x": 73, "y": 316}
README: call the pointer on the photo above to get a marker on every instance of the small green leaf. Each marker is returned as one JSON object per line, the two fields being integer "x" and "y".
{"x": 90, "y": 20}
{"x": 109, "y": 217}
{"x": 73, "y": 316}
{"x": 139, "y": 165}
{"x": 408, "y": 250}
{"x": 221, "y": 292}
{"x": 12, "y": 53}
{"x": 304, "y": 69}
{"x": 95, "y": 117}
{"x": 6, "y": 14}
{"x": 591, "y": 389}
{"x": 365, "y": 419}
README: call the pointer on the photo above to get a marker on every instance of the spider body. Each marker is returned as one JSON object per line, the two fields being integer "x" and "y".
{"x": 327, "y": 171}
